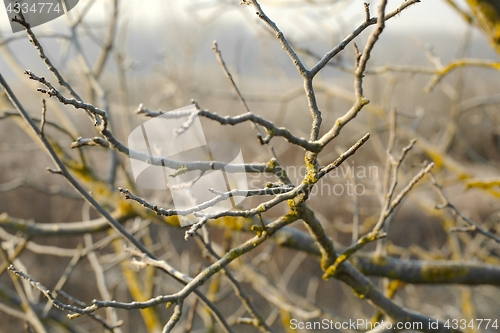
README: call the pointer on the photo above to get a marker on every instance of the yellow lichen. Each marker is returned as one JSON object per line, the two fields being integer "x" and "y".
{"x": 434, "y": 273}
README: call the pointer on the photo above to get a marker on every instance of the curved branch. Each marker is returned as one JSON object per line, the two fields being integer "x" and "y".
{"x": 31, "y": 228}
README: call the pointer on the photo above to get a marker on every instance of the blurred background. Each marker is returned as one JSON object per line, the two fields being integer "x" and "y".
{"x": 161, "y": 57}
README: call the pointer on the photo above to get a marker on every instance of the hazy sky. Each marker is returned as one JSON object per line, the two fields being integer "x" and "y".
{"x": 154, "y": 26}
{"x": 427, "y": 15}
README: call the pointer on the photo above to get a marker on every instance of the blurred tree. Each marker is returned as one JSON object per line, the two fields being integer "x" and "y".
{"x": 487, "y": 15}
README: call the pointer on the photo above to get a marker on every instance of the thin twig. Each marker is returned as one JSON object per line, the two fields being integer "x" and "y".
{"x": 42, "y": 121}
{"x": 257, "y": 319}
{"x": 447, "y": 204}
{"x": 222, "y": 64}
{"x": 48, "y": 294}
{"x": 174, "y": 319}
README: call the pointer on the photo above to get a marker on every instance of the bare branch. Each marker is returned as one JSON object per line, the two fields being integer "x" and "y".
{"x": 447, "y": 204}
